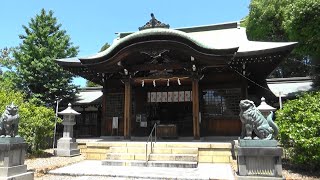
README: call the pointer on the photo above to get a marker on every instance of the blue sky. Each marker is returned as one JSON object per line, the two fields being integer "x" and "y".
{"x": 91, "y": 24}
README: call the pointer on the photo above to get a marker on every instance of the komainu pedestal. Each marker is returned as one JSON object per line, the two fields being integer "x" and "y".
{"x": 259, "y": 159}
{"x": 12, "y": 156}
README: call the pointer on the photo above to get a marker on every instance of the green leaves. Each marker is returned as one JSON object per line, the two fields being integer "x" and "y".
{"x": 288, "y": 20}
{"x": 43, "y": 42}
{"x": 36, "y": 125}
{"x": 36, "y": 122}
{"x": 301, "y": 22}
{"x": 299, "y": 123}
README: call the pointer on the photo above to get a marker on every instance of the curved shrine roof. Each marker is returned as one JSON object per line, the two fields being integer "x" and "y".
{"x": 225, "y": 41}
{"x": 208, "y": 38}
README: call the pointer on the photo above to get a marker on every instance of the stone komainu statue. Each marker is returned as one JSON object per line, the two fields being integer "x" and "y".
{"x": 253, "y": 120}
{"x": 9, "y": 121}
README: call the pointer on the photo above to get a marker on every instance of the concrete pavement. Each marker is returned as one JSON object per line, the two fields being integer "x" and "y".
{"x": 89, "y": 168}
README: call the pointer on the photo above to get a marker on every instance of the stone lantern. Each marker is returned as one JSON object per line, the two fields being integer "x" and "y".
{"x": 264, "y": 108}
{"x": 67, "y": 146}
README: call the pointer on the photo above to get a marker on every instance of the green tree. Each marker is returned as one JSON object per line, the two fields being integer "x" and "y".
{"x": 299, "y": 124}
{"x": 104, "y": 47}
{"x": 6, "y": 60}
{"x": 301, "y": 22}
{"x": 92, "y": 84}
{"x": 8, "y": 77}
{"x": 287, "y": 20}
{"x": 43, "y": 42}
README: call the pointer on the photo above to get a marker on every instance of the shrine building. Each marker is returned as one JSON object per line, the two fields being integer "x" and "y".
{"x": 188, "y": 80}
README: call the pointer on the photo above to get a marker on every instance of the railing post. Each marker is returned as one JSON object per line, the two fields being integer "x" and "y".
{"x": 155, "y": 134}
{"x": 152, "y": 145}
{"x": 146, "y": 153}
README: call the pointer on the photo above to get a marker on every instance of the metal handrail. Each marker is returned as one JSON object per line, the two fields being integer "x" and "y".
{"x": 150, "y": 139}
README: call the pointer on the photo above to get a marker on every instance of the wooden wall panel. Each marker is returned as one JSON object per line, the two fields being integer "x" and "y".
{"x": 221, "y": 127}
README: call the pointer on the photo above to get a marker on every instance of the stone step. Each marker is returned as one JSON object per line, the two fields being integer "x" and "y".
{"x": 152, "y": 157}
{"x": 207, "y": 152}
{"x": 128, "y": 150}
{"x": 215, "y": 145}
{"x": 126, "y": 156}
{"x": 110, "y": 162}
{"x": 174, "y": 157}
{"x": 155, "y": 150}
{"x": 181, "y": 150}
{"x": 177, "y": 164}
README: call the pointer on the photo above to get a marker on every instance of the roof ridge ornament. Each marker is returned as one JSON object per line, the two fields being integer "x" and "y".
{"x": 154, "y": 23}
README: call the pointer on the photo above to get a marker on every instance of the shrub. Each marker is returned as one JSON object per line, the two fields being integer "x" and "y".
{"x": 299, "y": 123}
{"x": 36, "y": 122}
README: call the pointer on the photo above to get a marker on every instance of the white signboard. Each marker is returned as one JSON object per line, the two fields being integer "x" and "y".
{"x": 143, "y": 124}
{"x": 187, "y": 96}
{"x": 153, "y": 96}
{"x": 164, "y": 97}
{"x": 175, "y": 96}
{"x": 159, "y": 96}
{"x": 170, "y": 96}
{"x": 115, "y": 123}
{"x": 181, "y": 96}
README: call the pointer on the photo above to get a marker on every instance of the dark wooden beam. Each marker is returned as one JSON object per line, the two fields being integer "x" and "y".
{"x": 104, "y": 111}
{"x": 195, "y": 108}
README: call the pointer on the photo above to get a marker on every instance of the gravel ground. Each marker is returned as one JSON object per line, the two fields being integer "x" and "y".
{"x": 40, "y": 166}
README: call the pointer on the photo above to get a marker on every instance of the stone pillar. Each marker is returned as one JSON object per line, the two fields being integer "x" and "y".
{"x": 67, "y": 145}
{"x": 12, "y": 156}
{"x": 127, "y": 110}
{"x": 259, "y": 159}
{"x": 195, "y": 109}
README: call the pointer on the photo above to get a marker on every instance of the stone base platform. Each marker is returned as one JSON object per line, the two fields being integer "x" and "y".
{"x": 67, "y": 147}
{"x": 257, "y": 178}
{"x": 259, "y": 159}
{"x": 23, "y": 176}
{"x": 12, "y": 156}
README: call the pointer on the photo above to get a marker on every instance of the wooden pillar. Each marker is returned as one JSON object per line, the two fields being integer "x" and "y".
{"x": 104, "y": 112}
{"x": 195, "y": 108}
{"x": 127, "y": 110}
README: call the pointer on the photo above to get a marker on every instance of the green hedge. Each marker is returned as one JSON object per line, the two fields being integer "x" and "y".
{"x": 299, "y": 123}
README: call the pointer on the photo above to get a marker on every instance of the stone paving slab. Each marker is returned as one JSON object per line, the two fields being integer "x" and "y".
{"x": 94, "y": 168}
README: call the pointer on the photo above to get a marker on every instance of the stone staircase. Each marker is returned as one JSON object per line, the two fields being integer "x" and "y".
{"x": 165, "y": 154}
{"x": 134, "y": 154}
